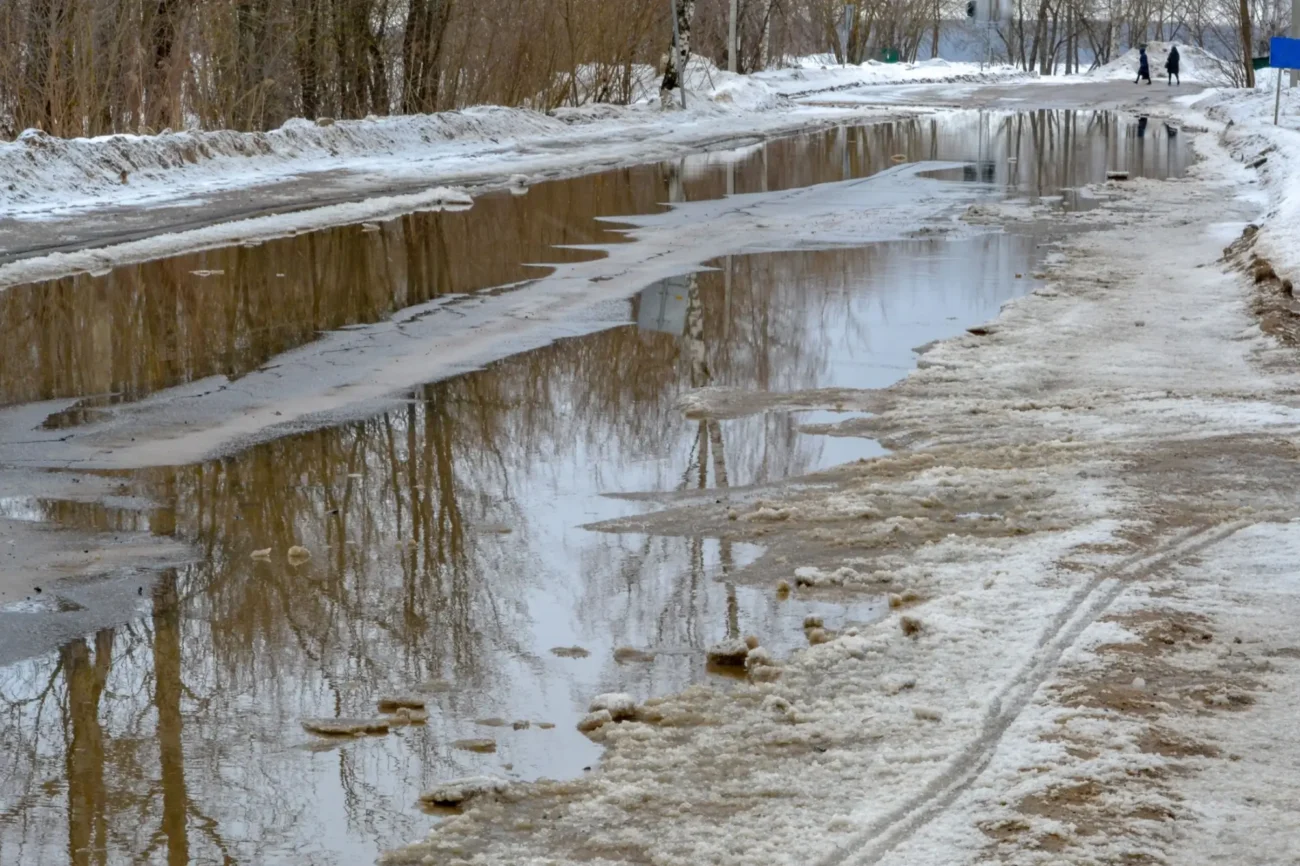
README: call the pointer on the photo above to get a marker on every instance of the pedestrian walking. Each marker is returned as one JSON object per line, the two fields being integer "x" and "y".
{"x": 1144, "y": 66}
{"x": 1171, "y": 65}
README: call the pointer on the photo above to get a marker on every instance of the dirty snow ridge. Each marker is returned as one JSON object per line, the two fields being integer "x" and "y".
{"x": 250, "y": 231}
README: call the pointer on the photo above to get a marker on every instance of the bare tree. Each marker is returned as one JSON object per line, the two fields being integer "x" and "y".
{"x": 1247, "y": 43}
{"x": 679, "y": 51}
{"x": 422, "y": 44}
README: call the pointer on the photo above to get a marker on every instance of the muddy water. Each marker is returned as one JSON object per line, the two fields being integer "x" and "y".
{"x": 448, "y": 554}
{"x": 124, "y": 335}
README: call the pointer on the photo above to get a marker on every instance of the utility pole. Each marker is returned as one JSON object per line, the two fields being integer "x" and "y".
{"x": 732, "y": 65}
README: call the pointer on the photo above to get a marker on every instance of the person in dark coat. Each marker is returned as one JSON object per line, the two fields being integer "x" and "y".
{"x": 1171, "y": 65}
{"x": 1144, "y": 66}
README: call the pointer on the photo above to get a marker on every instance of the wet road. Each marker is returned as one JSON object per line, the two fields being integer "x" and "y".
{"x": 1075, "y": 96}
{"x": 448, "y": 556}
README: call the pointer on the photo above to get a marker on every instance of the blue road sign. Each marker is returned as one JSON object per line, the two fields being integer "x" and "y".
{"x": 1284, "y": 53}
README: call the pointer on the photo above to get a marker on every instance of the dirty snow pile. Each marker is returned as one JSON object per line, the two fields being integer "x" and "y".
{"x": 799, "y": 76}
{"x": 811, "y": 76}
{"x": 795, "y": 765}
{"x": 1194, "y": 64}
{"x": 1246, "y": 117}
{"x": 48, "y": 176}
{"x": 38, "y": 166}
{"x": 705, "y": 83}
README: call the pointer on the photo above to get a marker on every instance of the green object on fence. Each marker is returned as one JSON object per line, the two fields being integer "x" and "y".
{"x": 1259, "y": 63}
{"x": 889, "y": 55}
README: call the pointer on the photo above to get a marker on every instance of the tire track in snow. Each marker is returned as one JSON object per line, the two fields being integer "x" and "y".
{"x": 899, "y": 824}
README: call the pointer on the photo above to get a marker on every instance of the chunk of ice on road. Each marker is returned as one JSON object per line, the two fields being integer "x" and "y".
{"x": 728, "y": 653}
{"x": 458, "y": 791}
{"x": 594, "y": 721}
{"x": 619, "y": 705}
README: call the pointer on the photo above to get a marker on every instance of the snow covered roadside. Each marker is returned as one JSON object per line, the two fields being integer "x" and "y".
{"x": 248, "y": 231}
{"x": 1088, "y": 523}
{"x": 48, "y": 177}
{"x": 1245, "y": 121}
{"x": 814, "y": 76}
{"x": 1195, "y": 65}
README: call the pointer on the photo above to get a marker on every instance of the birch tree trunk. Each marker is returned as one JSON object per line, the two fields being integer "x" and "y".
{"x": 679, "y": 54}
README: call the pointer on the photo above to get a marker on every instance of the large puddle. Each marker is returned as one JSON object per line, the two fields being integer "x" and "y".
{"x": 447, "y": 554}
{"x": 126, "y": 334}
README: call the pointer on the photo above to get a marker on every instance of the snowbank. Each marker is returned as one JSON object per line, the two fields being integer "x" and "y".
{"x": 810, "y": 78}
{"x": 39, "y": 166}
{"x": 798, "y": 77}
{"x": 247, "y": 231}
{"x": 46, "y": 176}
{"x": 1247, "y": 117}
{"x": 1194, "y": 64}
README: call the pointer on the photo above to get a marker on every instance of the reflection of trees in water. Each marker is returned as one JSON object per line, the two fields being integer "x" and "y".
{"x": 152, "y": 325}
{"x": 768, "y": 322}
{"x": 173, "y": 724}
{"x": 87, "y": 798}
{"x": 148, "y": 326}
{"x": 118, "y": 753}
{"x": 390, "y": 508}
{"x": 406, "y": 581}
{"x": 1055, "y": 150}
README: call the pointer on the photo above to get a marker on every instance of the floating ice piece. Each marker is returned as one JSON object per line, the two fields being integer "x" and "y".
{"x": 619, "y": 705}
{"x": 759, "y": 657}
{"x": 409, "y": 716}
{"x": 625, "y": 654}
{"x": 460, "y": 791}
{"x": 346, "y": 727}
{"x": 728, "y": 653}
{"x": 892, "y": 684}
{"x": 594, "y": 721}
{"x": 482, "y": 746}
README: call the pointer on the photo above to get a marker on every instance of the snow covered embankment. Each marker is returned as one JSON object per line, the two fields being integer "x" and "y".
{"x": 1251, "y": 137}
{"x": 130, "y": 169}
{"x": 1194, "y": 65}
{"x": 811, "y": 76}
{"x": 48, "y": 176}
